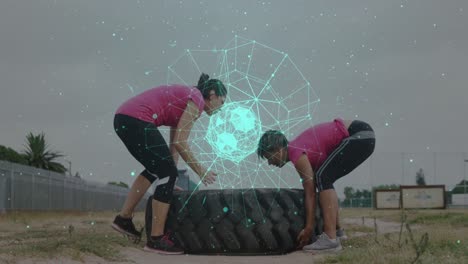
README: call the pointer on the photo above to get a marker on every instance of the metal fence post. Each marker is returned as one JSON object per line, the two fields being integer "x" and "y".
{"x": 50, "y": 192}
{"x": 435, "y": 168}
{"x": 402, "y": 167}
{"x": 12, "y": 189}
{"x": 63, "y": 193}
{"x": 33, "y": 183}
{"x": 465, "y": 160}
{"x": 370, "y": 169}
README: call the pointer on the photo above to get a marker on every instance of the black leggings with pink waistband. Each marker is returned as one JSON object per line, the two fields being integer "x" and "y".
{"x": 146, "y": 144}
{"x": 350, "y": 153}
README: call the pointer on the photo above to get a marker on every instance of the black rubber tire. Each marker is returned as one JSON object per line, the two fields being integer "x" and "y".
{"x": 237, "y": 221}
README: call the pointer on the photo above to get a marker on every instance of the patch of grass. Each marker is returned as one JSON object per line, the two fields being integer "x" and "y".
{"x": 90, "y": 222}
{"x": 29, "y": 217}
{"x": 43, "y": 244}
{"x": 458, "y": 217}
{"x": 26, "y": 216}
{"x": 384, "y": 215}
{"x": 359, "y": 228}
{"x": 365, "y": 250}
{"x": 358, "y": 242}
{"x": 449, "y": 241}
{"x": 457, "y": 248}
{"x": 426, "y": 244}
{"x": 453, "y": 219}
{"x": 4, "y": 260}
{"x": 56, "y": 238}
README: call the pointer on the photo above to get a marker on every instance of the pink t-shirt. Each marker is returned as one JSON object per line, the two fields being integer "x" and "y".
{"x": 318, "y": 142}
{"x": 162, "y": 105}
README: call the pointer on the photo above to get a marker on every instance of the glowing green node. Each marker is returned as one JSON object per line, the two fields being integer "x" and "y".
{"x": 232, "y": 130}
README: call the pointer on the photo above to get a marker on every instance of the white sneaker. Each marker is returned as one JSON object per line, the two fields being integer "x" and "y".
{"x": 324, "y": 244}
{"x": 340, "y": 234}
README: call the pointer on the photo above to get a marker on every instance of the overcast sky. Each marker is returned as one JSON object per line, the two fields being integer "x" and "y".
{"x": 65, "y": 66}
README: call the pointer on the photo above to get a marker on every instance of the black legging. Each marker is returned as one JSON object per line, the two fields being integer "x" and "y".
{"x": 144, "y": 141}
{"x": 351, "y": 152}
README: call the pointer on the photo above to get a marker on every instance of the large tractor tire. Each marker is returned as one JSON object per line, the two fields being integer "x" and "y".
{"x": 237, "y": 221}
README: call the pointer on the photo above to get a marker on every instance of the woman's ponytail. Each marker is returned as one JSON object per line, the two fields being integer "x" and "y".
{"x": 206, "y": 85}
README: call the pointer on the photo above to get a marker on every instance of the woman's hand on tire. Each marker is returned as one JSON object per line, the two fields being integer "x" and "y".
{"x": 304, "y": 237}
{"x": 209, "y": 177}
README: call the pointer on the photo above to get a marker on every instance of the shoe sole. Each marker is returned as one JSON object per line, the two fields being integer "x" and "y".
{"x": 330, "y": 250}
{"x": 162, "y": 252}
{"x": 122, "y": 231}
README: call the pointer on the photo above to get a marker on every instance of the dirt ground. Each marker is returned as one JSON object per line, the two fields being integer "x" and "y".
{"x": 134, "y": 255}
{"x": 10, "y": 226}
{"x": 139, "y": 256}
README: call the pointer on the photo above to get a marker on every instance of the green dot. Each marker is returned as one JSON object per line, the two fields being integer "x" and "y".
{"x": 225, "y": 209}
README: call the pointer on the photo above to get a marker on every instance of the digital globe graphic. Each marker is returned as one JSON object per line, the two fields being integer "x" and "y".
{"x": 232, "y": 131}
{"x": 266, "y": 90}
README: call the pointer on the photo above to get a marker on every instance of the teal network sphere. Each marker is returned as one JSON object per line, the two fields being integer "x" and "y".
{"x": 234, "y": 131}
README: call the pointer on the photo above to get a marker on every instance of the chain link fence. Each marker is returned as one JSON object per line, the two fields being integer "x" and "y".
{"x": 28, "y": 188}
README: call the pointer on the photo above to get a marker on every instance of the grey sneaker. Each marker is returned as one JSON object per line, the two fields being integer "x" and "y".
{"x": 340, "y": 234}
{"x": 323, "y": 244}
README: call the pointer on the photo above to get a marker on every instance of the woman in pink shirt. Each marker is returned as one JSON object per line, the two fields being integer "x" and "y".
{"x": 321, "y": 155}
{"x": 136, "y": 123}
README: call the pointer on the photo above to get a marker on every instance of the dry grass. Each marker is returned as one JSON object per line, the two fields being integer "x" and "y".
{"x": 446, "y": 231}
{"x": 53, "y": 234}
{"x": 48, "y": 235}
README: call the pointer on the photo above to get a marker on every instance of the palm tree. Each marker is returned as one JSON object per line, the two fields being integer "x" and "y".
{"x": 38, "y": 155}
